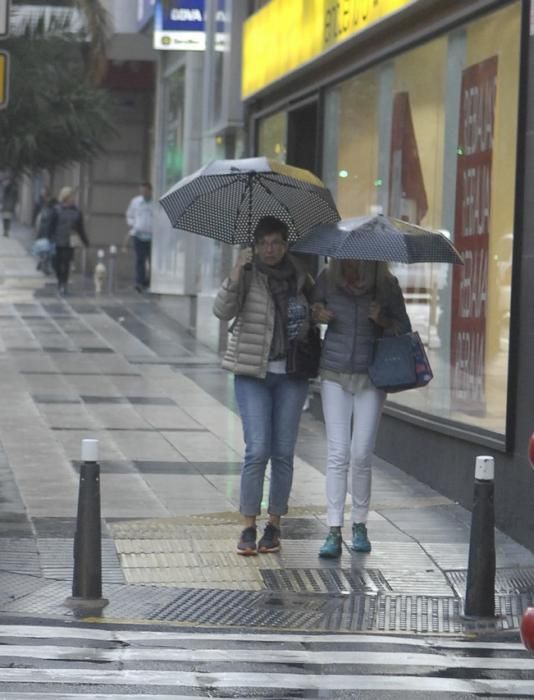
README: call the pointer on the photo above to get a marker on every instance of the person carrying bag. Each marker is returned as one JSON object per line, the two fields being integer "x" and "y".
{"x": 358, "y": 300}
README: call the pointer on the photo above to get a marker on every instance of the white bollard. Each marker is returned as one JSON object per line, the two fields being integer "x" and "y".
{"x": 100, "y": 273}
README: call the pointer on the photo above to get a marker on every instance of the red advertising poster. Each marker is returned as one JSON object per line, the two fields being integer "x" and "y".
{"x": 471, "y": 237}
{"x": 407, "y": 194}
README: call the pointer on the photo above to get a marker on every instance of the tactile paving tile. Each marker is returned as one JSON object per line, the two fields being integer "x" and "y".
{"x": 13, "y": 586}
{"x": 48, "y": 599}
{"x": 57, "y": 560}
{"x": 19, "y": 556}
{"x": 152, "y": 528}
{"x": 196, "y": 562}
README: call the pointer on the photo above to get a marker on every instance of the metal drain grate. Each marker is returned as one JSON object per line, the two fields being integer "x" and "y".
{"x": 417, "y": 614}
{"x": 506, "y": 580}
{"x": 245, "y": 608}
{"x": 307, "y": 580}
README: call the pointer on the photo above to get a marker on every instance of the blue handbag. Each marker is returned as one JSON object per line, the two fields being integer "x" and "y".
{"x": 399, "y": 363}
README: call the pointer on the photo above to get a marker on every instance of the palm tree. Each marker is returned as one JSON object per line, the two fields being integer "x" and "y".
{"x": 97, "y": 29}
{"x": 57, "y": 115}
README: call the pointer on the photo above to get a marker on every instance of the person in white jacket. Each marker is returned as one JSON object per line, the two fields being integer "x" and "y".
{"x": 140, "y": 217}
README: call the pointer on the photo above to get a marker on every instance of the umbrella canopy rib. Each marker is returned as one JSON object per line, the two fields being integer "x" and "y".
{"x": 284, "y": 206}
{"x": 226, "y": 199}
{"x": 247, "y": 190}
{"x": 378, "y": 238}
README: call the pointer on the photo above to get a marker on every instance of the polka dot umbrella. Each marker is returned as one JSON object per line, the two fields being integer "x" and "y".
{"x": 225, "y": 199}
{"x": 378, "y": 238}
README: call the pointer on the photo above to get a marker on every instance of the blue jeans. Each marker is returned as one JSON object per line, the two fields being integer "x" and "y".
{"x": 270, "y": 411}
{"x": 142, "y": 257}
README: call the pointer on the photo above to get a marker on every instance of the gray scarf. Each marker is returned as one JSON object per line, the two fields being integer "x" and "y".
{"x": 282, "y": 284}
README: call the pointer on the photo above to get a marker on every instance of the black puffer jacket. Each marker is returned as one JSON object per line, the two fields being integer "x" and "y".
{"x": 67, "y": 219}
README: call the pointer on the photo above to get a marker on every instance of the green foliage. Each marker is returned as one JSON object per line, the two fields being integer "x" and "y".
{"x": 56, "y": 115}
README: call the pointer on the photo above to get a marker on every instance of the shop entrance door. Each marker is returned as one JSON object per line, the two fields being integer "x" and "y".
{"x": 302, "y": 151}
{"x": 302, "y": 137}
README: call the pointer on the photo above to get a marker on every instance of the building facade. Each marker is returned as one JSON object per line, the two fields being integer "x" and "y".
{"x": 418, "y": 109}
{"x": 198, "y": 118}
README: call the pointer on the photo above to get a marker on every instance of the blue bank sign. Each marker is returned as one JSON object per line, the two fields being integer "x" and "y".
{"x": 179, "y": 25}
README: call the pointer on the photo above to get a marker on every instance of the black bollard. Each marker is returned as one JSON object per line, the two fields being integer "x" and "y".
{"x": 87, "y": 576}
{"x": 480, "y": 586}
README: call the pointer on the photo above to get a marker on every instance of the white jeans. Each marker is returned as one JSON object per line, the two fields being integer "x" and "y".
{"x": 341, "y": 408}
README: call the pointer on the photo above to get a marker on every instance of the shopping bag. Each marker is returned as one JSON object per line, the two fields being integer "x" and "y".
{"x": 399, "y": 363}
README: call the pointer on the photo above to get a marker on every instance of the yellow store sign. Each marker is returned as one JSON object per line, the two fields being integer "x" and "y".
{"x": 286, "y": 34}
{"x": 4, "y": 78}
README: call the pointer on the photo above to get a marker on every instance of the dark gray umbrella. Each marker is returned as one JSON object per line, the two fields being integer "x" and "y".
{"x": 226, "y": 198}
{"x": 378, "y": 238}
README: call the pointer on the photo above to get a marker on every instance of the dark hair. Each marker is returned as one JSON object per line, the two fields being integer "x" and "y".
{"x": 146, "y": 184}
{"x": 270, "y": 224}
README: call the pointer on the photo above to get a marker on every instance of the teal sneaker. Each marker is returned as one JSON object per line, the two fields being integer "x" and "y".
{"x": 331, "y": 549}
{"x": 360, "y": 541}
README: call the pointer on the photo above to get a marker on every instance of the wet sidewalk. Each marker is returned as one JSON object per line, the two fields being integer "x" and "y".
{"x": 118, "y": 369}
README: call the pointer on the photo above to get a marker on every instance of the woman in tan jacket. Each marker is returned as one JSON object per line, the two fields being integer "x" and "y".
{"x": 266, "y": 294}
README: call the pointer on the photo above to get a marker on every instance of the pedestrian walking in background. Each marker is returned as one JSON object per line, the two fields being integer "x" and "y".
{"x": 10, "y": 198}
{"x": 140, "y": 216}
{"x": 67, "y": 220}
{"x": 43, "y": 248}
{"x": 359, "y": 300}
{"x": 267, "y": 295}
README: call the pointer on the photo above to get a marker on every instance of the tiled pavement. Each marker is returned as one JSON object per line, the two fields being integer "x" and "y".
{"x": 119, "y": 370}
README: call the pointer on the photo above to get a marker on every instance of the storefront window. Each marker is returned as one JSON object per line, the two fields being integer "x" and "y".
{"x": 430, "y": 137}
{"x": 174, "y": 127}
{"x": 272, "y": 136}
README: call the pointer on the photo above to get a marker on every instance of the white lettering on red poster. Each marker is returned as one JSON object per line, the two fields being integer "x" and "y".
{"x": 471, "y": 236}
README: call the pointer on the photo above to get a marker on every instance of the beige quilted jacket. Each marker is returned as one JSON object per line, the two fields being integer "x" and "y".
{"x": 250, "y": 341}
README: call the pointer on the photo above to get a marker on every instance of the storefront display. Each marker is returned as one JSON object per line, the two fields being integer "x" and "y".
{"x": 430, "y": 137}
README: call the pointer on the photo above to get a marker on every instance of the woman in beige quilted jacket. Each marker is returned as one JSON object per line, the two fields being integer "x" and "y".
{"x": 266, "y": 294}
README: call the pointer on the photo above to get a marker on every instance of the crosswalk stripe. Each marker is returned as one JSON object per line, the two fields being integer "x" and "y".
{"x": 50, "y": 632}
{"x": 93, "y": 696}
{"x": 259, "y": 656}
{"x": 287, "y": 681}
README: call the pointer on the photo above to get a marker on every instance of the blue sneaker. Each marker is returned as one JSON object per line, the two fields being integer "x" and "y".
{"x": 331, "y": 549}
{"x": 360, "y": 541}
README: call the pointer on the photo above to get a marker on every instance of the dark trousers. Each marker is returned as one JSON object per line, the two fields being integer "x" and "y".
{"x": 7, "y": 225}
{"x": 63, "y": 259}
{"x": 142, "y": 258}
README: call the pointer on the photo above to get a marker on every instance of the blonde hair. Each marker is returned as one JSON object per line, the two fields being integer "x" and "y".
{"x": 65, "y": 193}
{"x": 367, "y": 275}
